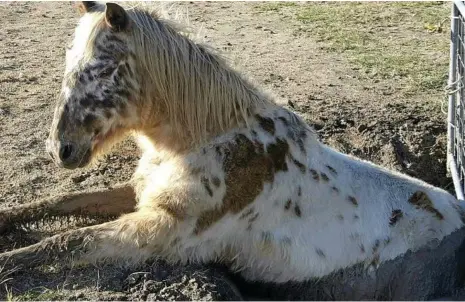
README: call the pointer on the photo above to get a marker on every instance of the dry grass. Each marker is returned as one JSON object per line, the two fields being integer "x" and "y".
{"x": 404, "y": 41}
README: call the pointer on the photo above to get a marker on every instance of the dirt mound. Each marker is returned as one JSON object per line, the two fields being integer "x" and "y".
{"x": 152, "y": 281}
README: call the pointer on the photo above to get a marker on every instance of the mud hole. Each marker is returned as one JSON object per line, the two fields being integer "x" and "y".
{"x": 371, "y": 119}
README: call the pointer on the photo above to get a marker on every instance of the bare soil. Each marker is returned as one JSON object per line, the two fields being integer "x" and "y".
{"x": 367, "y": 117}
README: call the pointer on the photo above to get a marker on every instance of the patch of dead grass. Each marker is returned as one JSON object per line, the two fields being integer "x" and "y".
{"x": 404, "y": 41}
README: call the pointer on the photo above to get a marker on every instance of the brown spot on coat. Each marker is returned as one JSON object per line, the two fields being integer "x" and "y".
{"x": 331, "y": 169}
{"x": 297, "y": 131}
{"x": 277, "y": 152}
{"x": 216, "y": 181}
{"x": 266, "y": 124}
{"x": 196, "y": 171}
{"x": 395, "y": 216}
{"x": 324, "y": 177}
{"x": 356, "y": 217}
{"x": 301, "y": 144}
{"x": 314, "y": 174}
{"x": 375, "y": 261}
{"x": 320, "y": 253}
{"x": 253, "y": 218}
{"x": 352, "y": 200}
{"x": 335, "y": 189}
{"x": 299, "y": 191}
{"x": 218, "y": 151}
{"x": 299, "y": 165}
{"x": 375, "y": 246}
{"x": 287, "y": 206}
{"x": 89, "y": 120}
{"x": 247, "y": 168}
{"x": 172, "y": 209}
{"x": 246, "y": 213}
{"x": 206, "y": 184}
{"x": 297, "y": 211}
{"x": 286, "y": 241}
{"x": 298, "y": 139}
{"x": 175, "y": 241}
{"x": 421, "y": 201}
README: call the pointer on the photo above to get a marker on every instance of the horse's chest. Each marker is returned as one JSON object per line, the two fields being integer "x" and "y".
{"x": 151, "y": 177}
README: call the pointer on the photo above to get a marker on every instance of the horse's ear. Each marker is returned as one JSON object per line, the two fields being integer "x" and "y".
{"x": 86, "y": 6}
{"x": 116, "y": 17}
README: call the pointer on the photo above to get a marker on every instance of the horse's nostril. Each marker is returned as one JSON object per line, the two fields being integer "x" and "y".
{"x": 66, "y": 151}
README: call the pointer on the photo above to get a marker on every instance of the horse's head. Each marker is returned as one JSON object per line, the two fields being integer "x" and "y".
{"x": 100, "y": 90}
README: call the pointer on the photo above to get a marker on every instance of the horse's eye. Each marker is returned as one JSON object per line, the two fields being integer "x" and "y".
{"x": 106, "y": 72}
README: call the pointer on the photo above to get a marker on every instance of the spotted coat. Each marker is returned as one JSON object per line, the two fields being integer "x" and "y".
{"x": 263, "y": 195}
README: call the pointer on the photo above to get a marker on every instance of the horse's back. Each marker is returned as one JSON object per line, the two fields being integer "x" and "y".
{"x": 340, "y": 211}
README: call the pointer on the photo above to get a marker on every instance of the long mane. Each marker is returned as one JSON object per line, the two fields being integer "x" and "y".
{"x": 198, "y": 91}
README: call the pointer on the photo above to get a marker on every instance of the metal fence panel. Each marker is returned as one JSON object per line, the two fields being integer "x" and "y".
{"x": 456, "y": 123}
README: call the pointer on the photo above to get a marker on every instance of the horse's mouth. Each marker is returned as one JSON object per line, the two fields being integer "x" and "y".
{"x": 87, "y": 152}
{"x": 82, "y": 161}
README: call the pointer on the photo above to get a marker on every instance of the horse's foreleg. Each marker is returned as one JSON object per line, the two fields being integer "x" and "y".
{"x": 97, "y": 203}
{"x": 133, "y": 237}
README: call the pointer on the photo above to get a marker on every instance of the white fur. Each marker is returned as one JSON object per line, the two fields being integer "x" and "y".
{"x": 330, "y": 233}
{"x": 377, "y": 191}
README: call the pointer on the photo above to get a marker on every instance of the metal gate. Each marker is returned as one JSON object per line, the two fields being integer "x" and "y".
{"x": 455, "y": 152}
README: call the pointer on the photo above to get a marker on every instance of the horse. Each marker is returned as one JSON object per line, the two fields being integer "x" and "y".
{"x": 226, "y": 174}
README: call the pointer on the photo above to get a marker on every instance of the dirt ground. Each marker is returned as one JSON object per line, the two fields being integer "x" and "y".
{"x": 370, "y": 118}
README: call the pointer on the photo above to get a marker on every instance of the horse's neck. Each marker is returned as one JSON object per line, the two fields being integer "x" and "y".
{"x": 215, "y": 101}
{"x": 161, "y": 139}
{"x": 165, "y": 136}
